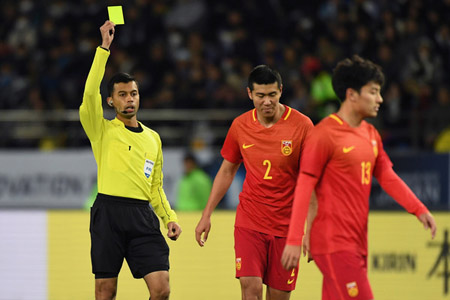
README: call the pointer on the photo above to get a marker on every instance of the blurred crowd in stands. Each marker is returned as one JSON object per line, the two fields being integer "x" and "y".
{"x": 198, "y": 53}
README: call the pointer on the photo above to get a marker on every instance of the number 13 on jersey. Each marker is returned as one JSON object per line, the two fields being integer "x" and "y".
{"x": 365, "y": 172}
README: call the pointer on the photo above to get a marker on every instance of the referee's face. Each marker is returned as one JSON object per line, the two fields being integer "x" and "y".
{"x": 126, "y": 99}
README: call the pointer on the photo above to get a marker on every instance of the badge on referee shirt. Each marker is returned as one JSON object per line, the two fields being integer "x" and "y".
{"x": 148, "y": 167}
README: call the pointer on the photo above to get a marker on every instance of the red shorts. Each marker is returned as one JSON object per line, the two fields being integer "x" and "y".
{"x": 344, "y": 276}
{"x": 259, "y": 254}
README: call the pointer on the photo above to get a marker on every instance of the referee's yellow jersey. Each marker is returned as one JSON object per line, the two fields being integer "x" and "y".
{"x": 129, "y": 163}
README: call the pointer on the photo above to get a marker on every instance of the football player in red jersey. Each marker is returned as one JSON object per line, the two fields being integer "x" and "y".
{"x": 341, "y": 155}
{"x": 269, "y": 141}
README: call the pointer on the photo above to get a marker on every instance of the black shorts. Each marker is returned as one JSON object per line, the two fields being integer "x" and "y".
{"x": 126, "y": 228}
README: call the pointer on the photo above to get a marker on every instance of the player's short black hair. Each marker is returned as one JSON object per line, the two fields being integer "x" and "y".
{"x": 119, "y": 77}
{"x": 355, "y": 72}
{"x": 262, "y": 74}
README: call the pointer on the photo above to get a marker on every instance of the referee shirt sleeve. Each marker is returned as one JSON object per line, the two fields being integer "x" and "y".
{"x": 91, "y": 110}
{"x": 158, "y": 196}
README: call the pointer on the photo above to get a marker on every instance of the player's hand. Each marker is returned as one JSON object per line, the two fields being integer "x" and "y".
{"x": 428, "y": 222}
{"x": 203, "y": 228}
{"x": 291, "y": 256}
{"x": 174, "y": 231}
{"x": 107, "y": 30}
{"x": 305, "y": 246}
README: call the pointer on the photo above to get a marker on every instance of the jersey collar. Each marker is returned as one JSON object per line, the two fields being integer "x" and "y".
{"x": 285, "y": 116}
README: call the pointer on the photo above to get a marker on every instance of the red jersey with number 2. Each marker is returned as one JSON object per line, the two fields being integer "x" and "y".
{"x": 271, "y": 157}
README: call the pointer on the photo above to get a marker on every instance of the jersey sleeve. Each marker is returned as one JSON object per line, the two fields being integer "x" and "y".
{"x": 308, "y": 127}
{"x": 158, "y": 199}
{"x": 383, "y": 162}
{"x": 317, "y": 151}
{"x": 91, "y": 110}
{"x": 230, "y": 150}
{"x": 395, "y": 186}
{"x": 303, "y": 192}
{"x": 314, "y": 159}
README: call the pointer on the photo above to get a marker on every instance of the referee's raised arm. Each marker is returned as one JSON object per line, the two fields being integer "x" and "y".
{"x": 91, "y": 110}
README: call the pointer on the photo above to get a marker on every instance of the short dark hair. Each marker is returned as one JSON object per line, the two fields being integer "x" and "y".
{"x": 119, "y": 77}
{"x": 262, "y": 74}
{"x": 355, "y": 72}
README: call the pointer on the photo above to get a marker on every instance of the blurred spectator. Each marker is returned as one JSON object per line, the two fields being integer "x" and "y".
{"x": 324, "y": 98}
{"x": 299, "y": 98}
{"x": 186, "y": 14}
{"x": 194, "y": 54}
{"x": 438, "y": 121}
{"x": 394, "y": 118}
{"x": 422, "y": 66}
{"x": 194, "y": 187}
{"x": 442, "y": 142}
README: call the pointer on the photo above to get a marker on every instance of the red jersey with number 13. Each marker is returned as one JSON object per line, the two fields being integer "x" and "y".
{"x": 343, "y": 160}
{"x": 271, "y": 157}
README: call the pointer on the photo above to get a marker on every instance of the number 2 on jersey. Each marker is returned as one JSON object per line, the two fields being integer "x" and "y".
{"x": 269, "y": 165}
{"x": 365, "y": 172}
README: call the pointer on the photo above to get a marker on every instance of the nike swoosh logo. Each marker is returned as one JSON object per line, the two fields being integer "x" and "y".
{"x": 247, "y": 146}
{"x": 290, "y": 281}
{"x": 348, "y": 149}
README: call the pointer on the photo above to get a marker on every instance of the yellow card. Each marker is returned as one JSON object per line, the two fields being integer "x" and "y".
{"x": 116, "y": 15}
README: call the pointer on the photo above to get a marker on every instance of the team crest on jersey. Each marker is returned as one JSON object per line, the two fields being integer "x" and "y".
{"x": 375, "y": 148}
{"x": 286, "y": 148}
{"x": 238, "y": 263}
{"x": 352, "y": 289}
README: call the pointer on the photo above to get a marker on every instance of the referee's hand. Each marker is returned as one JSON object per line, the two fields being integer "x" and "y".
{"x": 107, "y": 30}
{"x": 174, "y": 231}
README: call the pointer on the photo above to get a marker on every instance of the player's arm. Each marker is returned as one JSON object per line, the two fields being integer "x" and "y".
{"x": 91, "y": 111}
{"x": 222, "y": 182}
{"x": 318, "y": 150}
{"x": 300, "y": 208}
{"x": 312, "y": 212}
{"x": 400, "y": 192}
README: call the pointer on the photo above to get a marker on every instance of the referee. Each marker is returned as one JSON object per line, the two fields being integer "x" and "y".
{"x": 130, "y": 185}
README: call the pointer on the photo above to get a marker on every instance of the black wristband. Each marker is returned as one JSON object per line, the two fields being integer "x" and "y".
{"x": 104, "y": 48}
